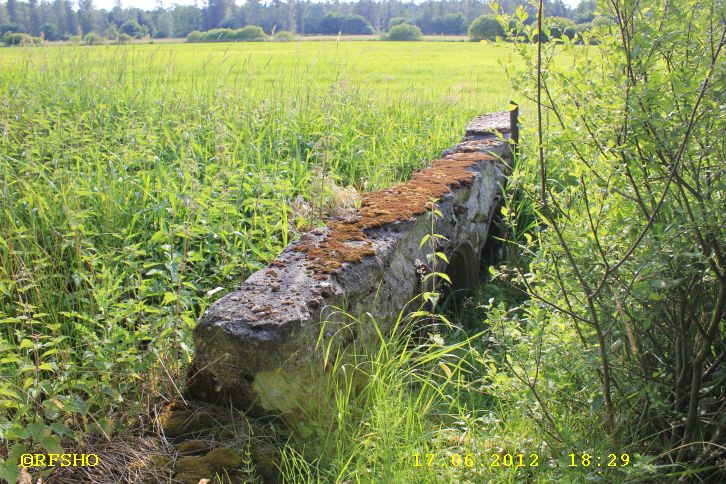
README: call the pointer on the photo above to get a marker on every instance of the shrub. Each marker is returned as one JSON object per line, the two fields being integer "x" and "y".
{"x": 664, "y": 310}
{"x": 403, "y": 32}
{"x": 92, "y": 38}
{"x": 251, "y": 33}
{"x": 283, "y": 36}
{"x": 485, "y": 27}
{"x": 124, "y": 39}
{"x": 194, "y": 36}
{"x": 218, "y": 35}
{"x": 21, "y": 39}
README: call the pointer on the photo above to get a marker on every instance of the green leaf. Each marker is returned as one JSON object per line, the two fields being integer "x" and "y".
{"x": 61, "y": 429}
{"x": 596, "y": 403}
{"x": 169, "y": 297}
{"x": 26, "y": 343}
{"x": 419, "y": 314}
{"x": 424, "y": 240}
{"x": 51, "y": 444}
{"x": 9, "y": 471}
{"x": 78, "y": 405}
{"x": 35, "y": 430}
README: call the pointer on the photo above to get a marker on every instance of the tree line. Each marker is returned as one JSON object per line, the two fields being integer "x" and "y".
{"x": 63, "y": 19}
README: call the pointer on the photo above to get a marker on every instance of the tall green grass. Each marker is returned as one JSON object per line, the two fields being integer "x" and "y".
{"x": 140, "y": 184}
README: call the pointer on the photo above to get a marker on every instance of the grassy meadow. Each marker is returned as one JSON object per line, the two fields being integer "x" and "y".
{"x": 141, "y": 183}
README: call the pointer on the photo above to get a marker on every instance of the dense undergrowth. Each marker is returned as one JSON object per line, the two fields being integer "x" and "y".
{"x": 129, "y": 202}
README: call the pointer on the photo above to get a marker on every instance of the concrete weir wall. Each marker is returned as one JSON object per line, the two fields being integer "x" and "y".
{"x": 256, "y": 346}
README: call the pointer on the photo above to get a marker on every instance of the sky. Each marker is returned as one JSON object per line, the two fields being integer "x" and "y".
{"x": 151, "y": 4}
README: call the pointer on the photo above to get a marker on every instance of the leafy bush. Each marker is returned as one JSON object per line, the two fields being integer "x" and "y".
{"x": 219, "y": 35}
{"x": 485, "y": 27}
{"x": 250, "y": 33}
{"x": 195, "y": 36}
{"x": 92, "y": 38}
{"x": 629, "y": 246}
{"x": 21, "y": 39}
{"x": 283, "y": 36}
{"x": 403, "y": 32}
{"x": 124, "y": 39}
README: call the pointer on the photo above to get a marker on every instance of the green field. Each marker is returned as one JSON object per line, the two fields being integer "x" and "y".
{"x": 136, "y": 180}
{"x": 470, "y": 71}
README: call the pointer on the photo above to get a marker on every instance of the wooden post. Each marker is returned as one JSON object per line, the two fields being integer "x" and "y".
{"x": 513, "y": 122}
{"x": 514, "y": 130}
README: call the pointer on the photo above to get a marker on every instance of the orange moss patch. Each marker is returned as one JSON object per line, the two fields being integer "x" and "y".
{"x": 347, "y": 241}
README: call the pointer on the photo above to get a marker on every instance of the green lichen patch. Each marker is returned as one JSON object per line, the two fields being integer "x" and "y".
{"x": 178, "y": 421}
{"x": 243, "y": 450}
{"x": 193, "y": 447}
{"x": 222, "y": 461}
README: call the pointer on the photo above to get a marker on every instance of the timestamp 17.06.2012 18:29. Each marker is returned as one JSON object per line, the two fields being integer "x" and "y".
{"x": 515, "y": 460}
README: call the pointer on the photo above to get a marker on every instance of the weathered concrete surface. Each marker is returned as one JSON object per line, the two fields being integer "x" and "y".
{"x": 256, "y": 347}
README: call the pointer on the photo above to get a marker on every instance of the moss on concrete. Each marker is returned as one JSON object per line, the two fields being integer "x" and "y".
{"x": 346, "y": 241}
